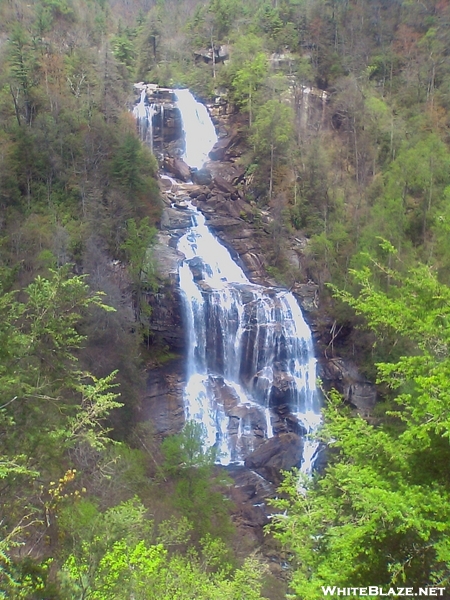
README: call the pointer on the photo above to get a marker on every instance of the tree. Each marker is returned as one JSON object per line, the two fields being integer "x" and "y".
{"x": 94, "y": 535}
{"x": 48, "y": 405}
{"x": 115, "y": 556}
{"x": 148, "y": 42}
{"x": 418, "y": 175}
{"x": 248, "y": 79}
{"x": 225, "y": 13}
{"x": 381, "y": 510}
{"x": 138, "y": 250}
{"x": 134, "y": 169}
{"x": 248, "y": 70}
{"x": 23, "y": 69}
{"x": 272, "y": 133}
{"x": 192, "y": 466}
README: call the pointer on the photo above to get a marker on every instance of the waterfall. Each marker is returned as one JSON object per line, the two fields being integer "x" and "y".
{"x": 199, "y": 131}
{"x": 143, "y": 113}
{"x": 251, "y": 371}
{"x": 249, "y": 350}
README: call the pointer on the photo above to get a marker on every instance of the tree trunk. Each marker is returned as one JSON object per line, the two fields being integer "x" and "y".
{"x": 213, "y": 53}
{"x": 16, "y": 107}
{"x": 271, "y": 172}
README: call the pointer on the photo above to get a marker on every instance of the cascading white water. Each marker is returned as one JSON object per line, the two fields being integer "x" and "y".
{"x": 246, "y": 343}
{"x": 143, "y": 113}
{"x": 199, "y": 131}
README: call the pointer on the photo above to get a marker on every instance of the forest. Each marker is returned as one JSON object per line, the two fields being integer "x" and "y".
{"x": 94, "y": 505}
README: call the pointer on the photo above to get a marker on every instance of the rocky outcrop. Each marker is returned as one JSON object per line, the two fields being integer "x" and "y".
{"x": 216, "y": 53}
{"x": 223, "y": 148}
{"x": 307, "y": 295}
{"x": 230, "y": 217}
{"x": 249, "y": 494}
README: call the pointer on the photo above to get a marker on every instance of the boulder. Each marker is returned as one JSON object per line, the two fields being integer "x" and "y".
{"x": 281, "y": 452}
{"x": 172, "y": 219}
{"x": 223, "y": 185}
{"x": 178, "y": 168}
{"x": 229, "y": 171}
{"x": 220, "y": 147}
{"x": 201, "y": 177}
{"x": 198, "y": 191}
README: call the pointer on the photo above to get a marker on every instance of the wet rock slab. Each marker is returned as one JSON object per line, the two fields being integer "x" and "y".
{"x": 175, "y": 218}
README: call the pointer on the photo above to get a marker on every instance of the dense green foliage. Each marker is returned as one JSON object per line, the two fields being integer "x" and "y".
{"x": 380, "y": 512}
{"x": 119, "y": 553}
{"x": 50, "y": 406}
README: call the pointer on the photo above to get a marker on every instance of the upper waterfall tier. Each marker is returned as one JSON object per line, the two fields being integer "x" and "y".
{"x": 143, "y": 113}
{"x": 158, "y": 114}
{"x": 200, "y": 134}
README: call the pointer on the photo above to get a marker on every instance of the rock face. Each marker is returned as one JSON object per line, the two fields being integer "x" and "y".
{"x": 224, "y": 148}
{"x": 166, "y": 323}
{"x": 163, "y": 401}
{"x": 219, "y": 53}
{"x": 307, "y": 295}
{"x": 344, "y": 375}
{"x": 166, "y": 126}
{"x": 230, "y": 218}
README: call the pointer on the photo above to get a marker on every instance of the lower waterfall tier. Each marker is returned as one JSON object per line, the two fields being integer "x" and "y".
{"x": 251, "y": 369}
